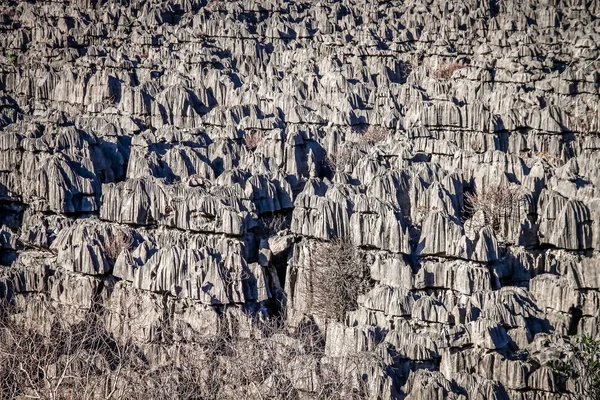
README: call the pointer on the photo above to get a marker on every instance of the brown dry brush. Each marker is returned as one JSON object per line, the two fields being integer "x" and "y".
{"x": 274, "y": 362}
{"x": 445, "y": 71}
{"x": 117, "y": 242}
{"x": 83, "y": 360}
{"x": 587, "y": 121}
{"x": 213, "y": 5}
{"x": 252, "y": 139}
{"x": 272, "y": 224}
{"x": 80, "y": 360}
{"x": 343, "y": 155}
{"x": 271, "y": 361}
{"x": 375, "y": 134}
{"x": 338, "y": 275}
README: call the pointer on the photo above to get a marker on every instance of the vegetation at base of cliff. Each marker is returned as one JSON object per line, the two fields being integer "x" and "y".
{"x": 75, "y": 355}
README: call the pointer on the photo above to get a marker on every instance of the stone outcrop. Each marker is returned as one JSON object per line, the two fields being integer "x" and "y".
{"x": 178, "y": 162}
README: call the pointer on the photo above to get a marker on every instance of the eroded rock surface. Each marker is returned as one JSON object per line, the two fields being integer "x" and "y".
{"x": 178, "y": 161}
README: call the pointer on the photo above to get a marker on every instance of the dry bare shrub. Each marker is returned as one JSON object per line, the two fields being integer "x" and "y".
{"x": 344, "y": 377}
{"x": 278, "y": 222}
{"x": 276, "y": 362}
{"x": 80, "y": 360}
{"x": 338, "y": 277}
{"x": 269, "y": 363}
{"x": 252, "y": 139}
{"x": 375, "y": 134}
{"x": 339, "y": 160}
{"x": 234, "y": 276}
{"x": 117, "y": 242}
{"x": 84, "y": 361}
{"x": 271, "y": 224}
{"x": 496, "y": 204}
{"x": 213, "y": 4}
{"x": 549, "y": 158}
{"x": 10, "y": 12}
{"x": 445, "y": 71}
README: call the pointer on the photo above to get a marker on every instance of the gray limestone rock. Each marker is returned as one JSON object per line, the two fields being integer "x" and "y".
{"x": 461, "y": 276}
{"x": 392, "y": 301}
{"x": 441, "y": 235}
{"x": 375, "y": 224}
{"x": 176, "y": 164}
{"x": 488, "y": 334}
{"x": 392, "y": 272}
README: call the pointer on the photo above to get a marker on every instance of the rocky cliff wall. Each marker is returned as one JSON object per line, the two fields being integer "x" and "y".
{"x": 185, "y": 158}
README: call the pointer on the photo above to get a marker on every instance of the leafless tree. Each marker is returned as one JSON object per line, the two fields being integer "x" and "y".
{"x": 342, "y": 157}
{"x": 60, "y": 360}
{"x": 586, "y": 118}
{"x": 274, "y": 223}
{"x": 83, "y": 360}
{"x": 269, "y": 361}
{"x": 494, "y": 205}
{"x": 213, "y": 5}
{"x": 338, "y": 276}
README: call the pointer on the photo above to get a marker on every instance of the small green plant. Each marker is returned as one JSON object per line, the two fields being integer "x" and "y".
{"x": 590, "y": 355}
{"x": 584, "y": 365}
{"x": 12, "y": 58}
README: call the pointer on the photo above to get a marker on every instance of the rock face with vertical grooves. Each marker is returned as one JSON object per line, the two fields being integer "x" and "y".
{"x": 186, "y": 158}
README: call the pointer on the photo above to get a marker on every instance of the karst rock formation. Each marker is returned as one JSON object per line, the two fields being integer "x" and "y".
{"x": 187, "y": 158}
